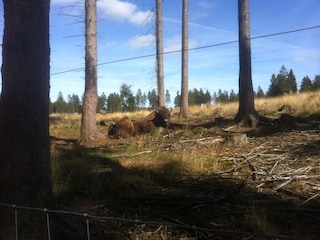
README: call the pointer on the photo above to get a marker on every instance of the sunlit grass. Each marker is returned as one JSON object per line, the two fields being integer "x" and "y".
{"x": 303, "y": 105}
{"x": 171, "y": 163}
{"x": 148, "y": 165}
{"x": 186, "y": 161}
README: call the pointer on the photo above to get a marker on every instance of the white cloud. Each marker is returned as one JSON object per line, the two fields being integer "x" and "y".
{"x": 203, "y": 9}
{"x": 205, "y": 5}
{"x": 141, "y": 41}
{"x": 111, "y": 44}
{"x": 141, "y": 18}
{"x": 307, "y": 57}
{"x": 124, "y": 11}
{"x": 116, "y": 10}
{"x": 63, "y": 2}
{"x": 174, "y": 43}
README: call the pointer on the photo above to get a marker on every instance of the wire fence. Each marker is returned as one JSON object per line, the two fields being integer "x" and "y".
{"x": 198, "y": 232}
{"x": 190, "y": 49}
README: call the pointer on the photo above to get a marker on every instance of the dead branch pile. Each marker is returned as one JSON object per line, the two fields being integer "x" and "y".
{"x": 287, "y": 162}
{"x": 290, "y": 165}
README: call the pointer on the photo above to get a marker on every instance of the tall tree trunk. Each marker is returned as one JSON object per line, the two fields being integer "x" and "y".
{"x": 89, "y": 129}
{"x": 184, "y": 109}
{"x": 24, "y": 109}
{"x": 159, "y": 41}
{"x": 246, "y": 114}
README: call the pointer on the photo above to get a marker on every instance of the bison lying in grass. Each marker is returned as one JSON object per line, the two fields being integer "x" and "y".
{"x": 157, "y": 118}
{"x": 124, "y": 127}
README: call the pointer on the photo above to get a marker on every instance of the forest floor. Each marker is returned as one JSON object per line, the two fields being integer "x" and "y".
{"x": 199, "y": 180}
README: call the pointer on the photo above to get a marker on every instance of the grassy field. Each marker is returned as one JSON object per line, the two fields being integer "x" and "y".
{"x": 197, "y": 175}
{"x": 304, "y": 104}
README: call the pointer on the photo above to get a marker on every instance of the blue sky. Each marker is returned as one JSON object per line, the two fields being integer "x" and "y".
{"x": 126, "y": 30}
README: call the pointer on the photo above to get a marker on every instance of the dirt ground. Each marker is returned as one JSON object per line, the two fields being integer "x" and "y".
{"x": 263, "y": 183}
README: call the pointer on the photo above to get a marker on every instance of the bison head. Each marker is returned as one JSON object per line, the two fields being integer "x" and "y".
{"x": 161, "y": 117}
{"x": 112, "y": 130}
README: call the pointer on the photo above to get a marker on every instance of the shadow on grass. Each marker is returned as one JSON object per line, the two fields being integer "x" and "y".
{"x": 284, "y": 123}
{"x": 225, "y": 208}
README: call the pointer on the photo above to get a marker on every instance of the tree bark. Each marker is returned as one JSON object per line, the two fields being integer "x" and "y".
{"x": 159, "y": 42}
{"x": 247, "y": 114}
{"x": 184, "y": 109}
{"x": 89, "y": 129}
{"x": 24, "y": 108}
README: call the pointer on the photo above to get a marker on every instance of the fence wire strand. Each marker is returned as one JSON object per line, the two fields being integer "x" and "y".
{"x": 190, "y": 49}
{"x": 87, "y": 218}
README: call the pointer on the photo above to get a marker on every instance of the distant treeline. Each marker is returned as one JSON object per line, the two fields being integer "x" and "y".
{"x": 126, "y": 100}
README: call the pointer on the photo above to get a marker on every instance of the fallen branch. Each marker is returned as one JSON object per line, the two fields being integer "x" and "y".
{"x": 200, "y": 140}
{"x": 282, "y": 185}
{"x": 309, "y": 199}
{"x": 132, "y": 155}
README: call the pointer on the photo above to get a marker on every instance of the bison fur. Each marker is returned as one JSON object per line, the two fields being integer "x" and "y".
{"x": 286, "y": 108}
{"x": 158, "y": 118}
{"x": 123, "y": 128}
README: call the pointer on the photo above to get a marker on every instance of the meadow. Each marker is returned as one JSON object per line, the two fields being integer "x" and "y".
{"x": 259, "y": 184}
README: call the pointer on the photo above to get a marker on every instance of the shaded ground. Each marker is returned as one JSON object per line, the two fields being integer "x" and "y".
{"x": 203, "y": 180}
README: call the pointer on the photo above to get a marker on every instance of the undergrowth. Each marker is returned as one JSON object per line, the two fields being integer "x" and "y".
{"x": 177, "y": 176}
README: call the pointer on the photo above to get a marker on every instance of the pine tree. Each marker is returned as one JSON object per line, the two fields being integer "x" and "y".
{"x": 184, "y": 108}
{"x": 144, "y": 100}
{"x": 153, "y": 99}
{"x": 60, "y": 105}
{"x": 102, "y": 102}
{"x": 260, "y": 93}
{"x": 233, "y": 97}
{"x": 168, "y": 97}
{"x": 306, "y": 84}
{"x": 207, "y": 97}
{"x": 89, "y": 130}
{"x": 177, "y": 100}
{"x": 284, "y": 83}
{"x": 292, "y": 83}
{"x": 139, "y": 98}
{"x": 287, "y": 81}
{"x": 128, "y": 103}
{"x": 25, "y": 176}
{"x": 73, "y": 104}
{"x": 282, "y": 80}
{"x": 316, "y": 82}
{"x": 247, "y": 115}
{"x": 114, "y": 102}
{"x": 159, "y": 43}
{"x": 274, "y": 88}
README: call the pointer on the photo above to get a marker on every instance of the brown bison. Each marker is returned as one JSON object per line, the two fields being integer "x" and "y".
{"x": 286, "y": 108}
{"x": 158, "y": 118}
{"x": 123, "y": 128}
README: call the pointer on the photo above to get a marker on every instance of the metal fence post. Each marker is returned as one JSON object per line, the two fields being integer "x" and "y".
{"x": 48, "y": 223}
{"x": 88, "y": 225}
{"x": 16, "y": 220}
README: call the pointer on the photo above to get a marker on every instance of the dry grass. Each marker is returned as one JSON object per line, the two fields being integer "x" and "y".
{"x": 114, "y": 116}
{"x": 186, "y": 167}
{"x": 195, "y": 161}
{"x": 303, "y": 104}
